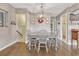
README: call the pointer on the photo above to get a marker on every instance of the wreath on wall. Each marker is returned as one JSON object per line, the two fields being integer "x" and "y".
{"x": 40, "y": 20}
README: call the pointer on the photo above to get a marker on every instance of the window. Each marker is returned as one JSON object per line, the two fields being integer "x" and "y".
{"x": 3, "y": 18}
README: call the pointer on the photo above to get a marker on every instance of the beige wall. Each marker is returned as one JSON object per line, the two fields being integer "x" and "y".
{"x": 7, "y": 34}
{"x": 21, "y": 24}
{"x": 64, "y": 26}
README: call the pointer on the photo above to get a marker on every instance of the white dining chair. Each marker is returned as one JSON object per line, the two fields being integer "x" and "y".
{"x": 42, "y": 39}
{"x": 32, "y": 41}
{"x": 52, "y": 42}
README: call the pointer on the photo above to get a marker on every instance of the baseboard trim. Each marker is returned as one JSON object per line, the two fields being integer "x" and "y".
{"x": 8, "y": 45}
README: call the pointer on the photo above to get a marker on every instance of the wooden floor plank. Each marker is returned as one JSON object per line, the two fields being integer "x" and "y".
{"x": 20, "y": 49}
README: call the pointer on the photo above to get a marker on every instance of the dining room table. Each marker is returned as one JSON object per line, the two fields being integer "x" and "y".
{"x": 50, "y": 37}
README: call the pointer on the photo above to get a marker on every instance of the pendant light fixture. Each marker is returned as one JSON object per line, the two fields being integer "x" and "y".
{"x": 42, "y": 12}
{"x": 41, "y": 16}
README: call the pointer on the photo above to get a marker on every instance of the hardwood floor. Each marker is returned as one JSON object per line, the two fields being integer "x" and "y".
{"x": 20, "y": 49}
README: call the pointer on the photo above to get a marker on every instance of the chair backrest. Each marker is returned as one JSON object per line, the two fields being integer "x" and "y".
{"x": 42, "y": 38}
{"x": 43, "y": 35}
{"x": 31, "y": 37}
{"x": 42, "y": 32}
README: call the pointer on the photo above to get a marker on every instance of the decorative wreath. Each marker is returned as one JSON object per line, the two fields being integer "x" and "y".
{"x": 40, "y": 20}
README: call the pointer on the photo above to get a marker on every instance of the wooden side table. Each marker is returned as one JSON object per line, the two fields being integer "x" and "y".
{"x": 74, "y": 36}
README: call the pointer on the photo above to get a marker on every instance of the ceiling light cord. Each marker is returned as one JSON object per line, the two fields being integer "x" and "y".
{"x": 42, "y": 8}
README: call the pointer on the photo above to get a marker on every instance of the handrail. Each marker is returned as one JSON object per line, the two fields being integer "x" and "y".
{"x": 19, "y": 33}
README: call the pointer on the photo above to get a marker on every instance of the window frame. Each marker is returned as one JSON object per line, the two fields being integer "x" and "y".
{"x": 4, "y": 18}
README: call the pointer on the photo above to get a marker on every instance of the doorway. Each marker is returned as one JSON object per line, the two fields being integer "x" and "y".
{"x": 21, "y": 25}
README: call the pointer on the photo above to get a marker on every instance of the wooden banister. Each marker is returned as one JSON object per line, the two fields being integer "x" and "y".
{"x": 19, "y": 33}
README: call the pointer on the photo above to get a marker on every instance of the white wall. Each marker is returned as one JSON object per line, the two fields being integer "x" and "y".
{"x": 68, "y": 11}
{"x": 75, "y": 10}
{"x": 34, "y": 26}
{"x": 7, "y": 34}
{"x": 70, "y": 27}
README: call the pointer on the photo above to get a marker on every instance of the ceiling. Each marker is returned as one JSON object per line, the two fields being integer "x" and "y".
{"x": 51, "y": 8}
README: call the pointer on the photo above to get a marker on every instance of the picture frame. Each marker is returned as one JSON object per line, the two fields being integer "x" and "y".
{"x": 73, "y": 17}
{"x": 13, "y": 23}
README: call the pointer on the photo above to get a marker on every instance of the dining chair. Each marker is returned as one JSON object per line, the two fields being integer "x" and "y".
{"x": 52, "y": 42}
{"x": 42, "y": 39}
{"x": 32, "y": 42}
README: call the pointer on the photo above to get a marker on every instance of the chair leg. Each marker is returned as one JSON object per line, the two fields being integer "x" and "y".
{"x": 46, "y": 48}
{"x": 35, "y": 45}
{"x": 29, "y": 46}
{"x": 38, "y": 47}
{"x": 56, "y": 49}
{"x": 50, "y": 45}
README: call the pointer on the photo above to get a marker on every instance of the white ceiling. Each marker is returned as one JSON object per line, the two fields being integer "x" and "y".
{"x": 53, "y": 8}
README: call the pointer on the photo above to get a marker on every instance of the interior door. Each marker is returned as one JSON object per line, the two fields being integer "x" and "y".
{"x": 74, "y": 34}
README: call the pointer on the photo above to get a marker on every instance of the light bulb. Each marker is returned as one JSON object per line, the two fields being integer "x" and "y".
{"x": 41, "y": 15}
